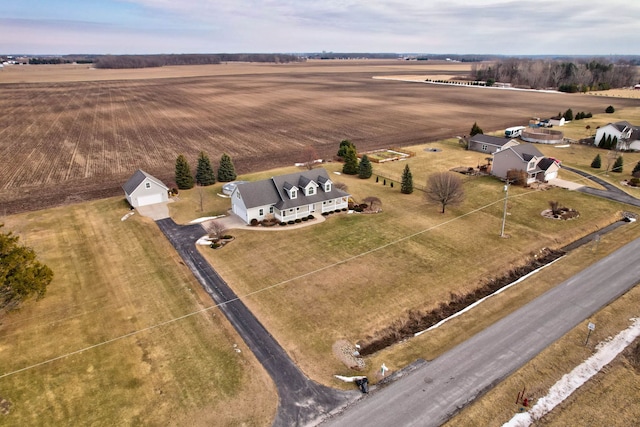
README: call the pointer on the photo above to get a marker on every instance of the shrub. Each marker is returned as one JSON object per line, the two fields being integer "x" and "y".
{"x": 290, "y": 222}
{"x": 344, "y": 209}
{"x": 174, "y": 191}
{"x": 298, "y": 220}
{"x": 282, "y": 223}
{"x": 634, "y": 182}
{"x": 216, "y": 245}
{"x": 610, "y": 109}
{"x": 305, "y": 218}
{"x": 311, "y": 217}
{"x": 617, "y": 166}
{"x": 325, "y": 213}
{"x": 254, "y": 222}
{"x": 227, "y": 236}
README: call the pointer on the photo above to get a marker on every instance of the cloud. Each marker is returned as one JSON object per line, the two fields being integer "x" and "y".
{"x": 442, "y": 26}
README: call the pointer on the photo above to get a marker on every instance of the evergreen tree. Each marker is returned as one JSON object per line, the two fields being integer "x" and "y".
{"x": 344, "y": 145}
{"x": 22, "y": 276}
{"x": 597, "y": 162}
{"x": 568, "y": 115}
{"x": 204, "y": 171}
{"x": 184, "y": 179}
{"x": 406, "y": 186}
{"x": 610, "y": 109}
{"x": 617, "y": 166}
{"x": 608, "y": 143}
{"x": 226, "y": 170}
{"x": 475, "y": 129}
{"x": 350, "y": 162}
{"x": 636, "y": 169}
{"x": 602, "y": 141}
{"x": 365, "y": 170}
{"x": 614, "y": 143}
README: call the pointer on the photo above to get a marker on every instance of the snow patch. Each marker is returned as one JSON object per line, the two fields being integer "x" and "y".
{"x": 204, "y": 218}
{"x": 606, "y": 352}
{"x": 349, "y": 379}
{"x": 124, "y": 218}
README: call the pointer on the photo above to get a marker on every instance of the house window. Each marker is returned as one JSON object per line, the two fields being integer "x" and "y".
{"x": 310, "y": 191}
{"x": 147, "y": 185}
{"x": 327, "y": 186}
{"x": 484, "y": 147}
{"x": 532, "y": 164}
{"x": 294, "y": 193}
{"x": 261, "y": 212}
{"x": 270, "y": 209}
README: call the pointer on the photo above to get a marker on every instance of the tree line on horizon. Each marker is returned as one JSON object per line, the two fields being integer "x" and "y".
{"x": 565, "y": 76}
{"x": 149, "y": 61}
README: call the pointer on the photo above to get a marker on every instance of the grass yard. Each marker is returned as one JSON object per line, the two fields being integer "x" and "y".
{"x": 114, "y": 278}
{"x": 353, "y": 275}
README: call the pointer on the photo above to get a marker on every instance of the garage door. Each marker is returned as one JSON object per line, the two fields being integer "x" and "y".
{"x": 551, "y": 175}
{"x": 149, "y": 200}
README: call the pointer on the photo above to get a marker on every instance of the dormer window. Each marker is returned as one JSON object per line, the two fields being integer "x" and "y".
{"x": 147, "y": 185}
{"x": 327, "y": 186}
{"x": 311, "y": 191}
{"x": 532, "y": 164}
{"x": 293, "y": 193}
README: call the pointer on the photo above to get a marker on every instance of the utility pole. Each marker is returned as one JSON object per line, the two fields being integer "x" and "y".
{"x": 504, "y": 213}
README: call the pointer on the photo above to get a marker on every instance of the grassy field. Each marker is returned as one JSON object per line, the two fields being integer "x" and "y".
{"x": 353, "y": 275}
{"x": 112, "y": 279}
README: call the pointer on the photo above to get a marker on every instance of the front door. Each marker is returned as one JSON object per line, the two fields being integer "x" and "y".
{"x": 312, "y": 208}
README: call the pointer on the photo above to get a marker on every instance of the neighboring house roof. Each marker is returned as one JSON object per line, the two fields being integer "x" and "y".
{"x": 488, "y": 139}
{"x": 624, "y": 127}
{"x": 138, "y": 177}
{"x": 545, "y": 163}
{"x": 274, "y": 191}
{"x": 525, "y": 151}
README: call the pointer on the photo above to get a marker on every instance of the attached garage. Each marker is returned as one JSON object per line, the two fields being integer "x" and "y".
{"x": 143, "y": 189}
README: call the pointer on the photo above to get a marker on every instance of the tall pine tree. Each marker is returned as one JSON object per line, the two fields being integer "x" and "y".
{"x": 475, "y": 129}
{"x": 617, "y": 166}
{"x": 365, "y": 170}
{"x": 226, "y": 170}
{"x": 184, "y": 179}
{"x": 204, "y": 171}
{"x": 597, "y": 162}
{"x": 350, "y": 162}
{"x": 406, "y": 186}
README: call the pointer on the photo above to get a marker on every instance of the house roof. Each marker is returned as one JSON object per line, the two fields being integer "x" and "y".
{"x": 271, "y": 191}
{"x": 545, "y": 163}
{"x": 488, "y": 139}
{"x": 138, "y": 178}
{"x": 525, "y": 151}
{"x": 624, "y": 126}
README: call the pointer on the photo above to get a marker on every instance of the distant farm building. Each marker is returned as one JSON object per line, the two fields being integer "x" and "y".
{"x": 489, "y": 144}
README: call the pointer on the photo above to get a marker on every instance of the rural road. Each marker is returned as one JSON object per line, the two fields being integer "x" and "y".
{"x": 434, "y": 392}
{"x": 301, "y": 401}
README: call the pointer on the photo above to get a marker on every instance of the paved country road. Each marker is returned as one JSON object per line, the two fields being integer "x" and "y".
{"x": 434, "y": 392}
{"x": 301, "y": 401}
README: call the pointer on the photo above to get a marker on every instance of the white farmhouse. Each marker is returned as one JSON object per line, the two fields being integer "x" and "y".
{"x": 143, "y": 189}
{"x": 628, "y": 135}
{"x": 288, "y": 197}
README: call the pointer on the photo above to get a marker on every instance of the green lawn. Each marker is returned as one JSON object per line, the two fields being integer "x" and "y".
{"x": 113, "y": 278}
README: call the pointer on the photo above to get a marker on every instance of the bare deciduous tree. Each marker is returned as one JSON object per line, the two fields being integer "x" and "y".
{"x": 309, "y": 157}
{"x": 340, "y": 186}
{"x": 216, "y": 229}
{"x": 444, "y": 188}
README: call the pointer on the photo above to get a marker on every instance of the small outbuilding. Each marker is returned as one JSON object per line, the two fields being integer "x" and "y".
{"x": 143, "y": 189}
{"x": 489, "y": 144}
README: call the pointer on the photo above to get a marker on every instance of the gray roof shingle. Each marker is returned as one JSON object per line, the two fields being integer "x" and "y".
{"x": 137, "y": 178}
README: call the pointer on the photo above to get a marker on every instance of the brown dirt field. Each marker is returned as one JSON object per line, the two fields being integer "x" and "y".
{"x": 67, "y": 141}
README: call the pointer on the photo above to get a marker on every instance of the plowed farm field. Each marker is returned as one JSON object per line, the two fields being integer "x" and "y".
{"x": 70, "y": 133}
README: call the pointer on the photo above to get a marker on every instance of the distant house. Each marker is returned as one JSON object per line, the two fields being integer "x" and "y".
{"x": 288, "y": 197}
{"x": 489, "y": 144}
{"x": 527, "y": 158}
{"x": 143, "y": 189}
{"x": 628, "y": 135}
{"x": 556, "y": 121}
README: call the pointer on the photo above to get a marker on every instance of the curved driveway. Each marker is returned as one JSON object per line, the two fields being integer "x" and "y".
{"x": 302, "y": 401}
{"x": 611, "y": 192}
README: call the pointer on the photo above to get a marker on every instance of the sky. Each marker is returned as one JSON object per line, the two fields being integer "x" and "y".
{"x": 523, "y": 27}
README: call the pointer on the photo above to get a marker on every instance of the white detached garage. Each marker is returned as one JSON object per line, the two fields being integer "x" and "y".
{"x": 143, "y": 189}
